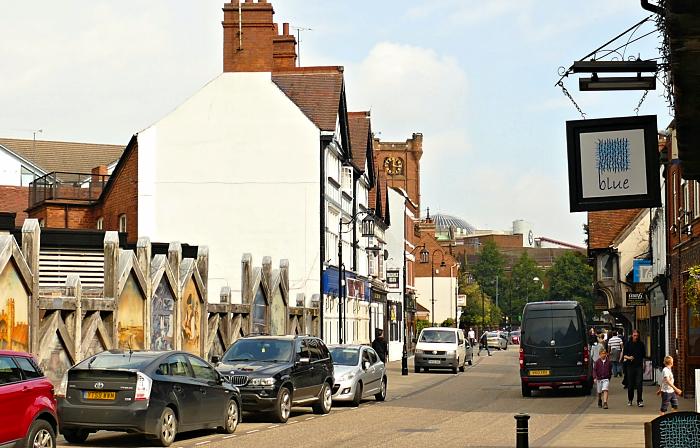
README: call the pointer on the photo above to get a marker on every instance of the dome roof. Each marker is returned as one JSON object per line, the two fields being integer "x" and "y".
{"x": 443, "y": 223}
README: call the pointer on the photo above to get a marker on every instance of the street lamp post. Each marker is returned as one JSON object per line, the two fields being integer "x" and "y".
{"x": 404, "y": 355}
{"x": 432, "y": 281}
{"x": 367, "y": 231}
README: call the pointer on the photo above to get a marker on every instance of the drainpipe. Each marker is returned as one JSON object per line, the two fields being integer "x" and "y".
{"x": 652, "y": 8}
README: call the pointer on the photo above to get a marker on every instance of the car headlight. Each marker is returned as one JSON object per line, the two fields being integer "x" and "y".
{"x": 347, "y": 376}
{"x": 452, "y": 353}
{"x": 261, "y": 382}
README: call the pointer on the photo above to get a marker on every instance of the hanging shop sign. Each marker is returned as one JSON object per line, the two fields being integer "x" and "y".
{"x": 642, "y": 272}
{"x": 392, "y": 278}
{"x": 636, "y": 299}
{"x": 613, "y": 163}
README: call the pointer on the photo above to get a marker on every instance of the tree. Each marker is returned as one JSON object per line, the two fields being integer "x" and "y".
{"x": 472, "y": 311}
{"x": 571, "y": 278}
{"x": 489, "y": 267}
{"x": 526, "y": 285}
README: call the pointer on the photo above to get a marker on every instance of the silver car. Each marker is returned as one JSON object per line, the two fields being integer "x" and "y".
{"x": 359, "y": 373}
{"x": 497, "y": 339}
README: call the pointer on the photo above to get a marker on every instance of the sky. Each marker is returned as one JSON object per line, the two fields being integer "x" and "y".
{"x": 476, "y": 78}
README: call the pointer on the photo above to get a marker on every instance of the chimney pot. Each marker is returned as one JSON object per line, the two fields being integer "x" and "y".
{"x": 276, "y": 28}
{"x": 285, "y": 29}
{"x": 249, "y": 1}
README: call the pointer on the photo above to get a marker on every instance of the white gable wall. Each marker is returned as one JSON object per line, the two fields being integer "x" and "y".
{"x": 236, "y": 168}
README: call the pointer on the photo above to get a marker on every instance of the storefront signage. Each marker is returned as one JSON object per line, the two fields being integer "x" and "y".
{"x": 461, "y": 300}
{"x": 642, "y": 272}
{"x": 636, "y": 299}
{"x": 613, "y": 163}
{"x": 392, "y": 278}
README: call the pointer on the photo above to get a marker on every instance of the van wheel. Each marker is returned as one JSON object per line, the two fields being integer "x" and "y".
{"x": 75, "y": 435}
{"x": 527, "y": 392}
{"x": 416, "y": 369}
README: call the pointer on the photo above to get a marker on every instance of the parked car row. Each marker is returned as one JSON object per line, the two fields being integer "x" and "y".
{"x": 162, "y": 393}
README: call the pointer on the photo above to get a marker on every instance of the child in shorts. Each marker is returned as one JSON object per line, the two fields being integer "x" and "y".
{"x": 602, "y": 372}
{"x": 669, "y": 391}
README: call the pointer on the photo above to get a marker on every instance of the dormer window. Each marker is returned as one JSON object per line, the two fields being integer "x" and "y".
{"x": 122, "y": 223}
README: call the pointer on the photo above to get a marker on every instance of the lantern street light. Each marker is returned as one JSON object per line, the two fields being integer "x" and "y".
{"x": 367, "y": 232}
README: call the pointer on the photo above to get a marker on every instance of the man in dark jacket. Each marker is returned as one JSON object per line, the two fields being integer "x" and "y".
{"x": 633, "y": 353}
{"x": 380, "y": 346}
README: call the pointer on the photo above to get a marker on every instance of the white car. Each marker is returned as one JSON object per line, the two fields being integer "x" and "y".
{"x": 442, "y": 348}
{"x": 359, "y": 373}
{"x": 497, "y": 339}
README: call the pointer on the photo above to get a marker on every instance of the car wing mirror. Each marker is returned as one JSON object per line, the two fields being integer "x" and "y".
{"x": 215, "y": 360}
{"x": 365, "y": 365}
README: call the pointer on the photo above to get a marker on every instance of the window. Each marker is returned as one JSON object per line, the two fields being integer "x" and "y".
{"x": 674, "y": 210}
{"x": 696, "y": 199}
{"x": 175, "y": 366}
{"x": 346, "y": 179}
{"x": 9, "y": 372}
{"x": 373, "y": 356}
{"x": 122, "y": 223}
{"x": 302, "y": 350}
{"x": 26, "y": 177}
{"x": 686, "y": 203}
{"x": 29, "y": 369}
{"x": 314, "y": 350}
{"x": 259, "y": 313}
{"x": 202, "y": 370}
{"x": 365, "y": 358}
{"x": 607, "y": 266}
{"x": 100, "y": 223}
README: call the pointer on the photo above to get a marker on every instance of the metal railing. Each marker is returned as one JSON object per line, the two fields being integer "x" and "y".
{"x": 59, "y": 185}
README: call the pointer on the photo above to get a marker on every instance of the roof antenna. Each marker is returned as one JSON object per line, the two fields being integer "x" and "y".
{"x": 35, "y": 132}
{"x": 299, "y": 30}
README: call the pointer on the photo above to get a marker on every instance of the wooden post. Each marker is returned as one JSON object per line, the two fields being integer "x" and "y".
{"x": 246, "y": 279}
{"x": 203, "y": 268}
{"x": 74, "y": 288}
{"x": 175, "y": 260}
{"x": 31, "y": 245}
{"x": 143, "y": 256}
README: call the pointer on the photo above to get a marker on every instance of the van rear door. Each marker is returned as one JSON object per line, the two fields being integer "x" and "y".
{"x": 552, "y": 343}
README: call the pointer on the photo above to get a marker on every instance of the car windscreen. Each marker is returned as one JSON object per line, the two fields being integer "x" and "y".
{"x": 541, "y": 327}
{"x": 345, "y": 356}
{"x": 267, "y": 350}
{"x": 133, "y": 361}
{"x": 438, "y": 336}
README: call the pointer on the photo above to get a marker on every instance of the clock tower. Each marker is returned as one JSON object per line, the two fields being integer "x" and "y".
{"x": 398, "y": 165}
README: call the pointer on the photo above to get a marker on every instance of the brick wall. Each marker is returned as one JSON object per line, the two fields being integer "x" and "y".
{"x": 14, "y": 200}
{"x": 252, "y": 50}
{"x": 122, "y": 198}
{"x": 410, "y": 152}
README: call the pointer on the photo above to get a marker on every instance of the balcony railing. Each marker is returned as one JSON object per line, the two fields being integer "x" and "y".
{"x": 62, "y": 186}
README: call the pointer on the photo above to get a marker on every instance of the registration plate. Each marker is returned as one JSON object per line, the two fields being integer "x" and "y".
{"x": 433, "y": 361}
{"x": 539, "y": 372}
{"x": 93, "y": 395}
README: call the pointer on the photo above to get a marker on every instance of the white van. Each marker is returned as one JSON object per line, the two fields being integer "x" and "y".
{"x": 442, "y": 348}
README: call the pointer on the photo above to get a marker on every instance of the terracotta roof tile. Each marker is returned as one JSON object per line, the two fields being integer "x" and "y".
{"x": 315, "y": 90}
{"x": 63, "y": 156}
{"x": 605, "y": 226}
{"x": 359, "y": 123}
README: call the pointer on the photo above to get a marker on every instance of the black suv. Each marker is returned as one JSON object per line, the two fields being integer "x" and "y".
{"x": 275, "y": 373}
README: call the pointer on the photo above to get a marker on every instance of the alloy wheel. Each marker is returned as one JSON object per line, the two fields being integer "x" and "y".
{"x": 327, "y": 397}
{"x": 231, "y": 417}
{"x": 285, "y": 404}
{"x": 43, "y": 439}
{"x": 168, "y": 427}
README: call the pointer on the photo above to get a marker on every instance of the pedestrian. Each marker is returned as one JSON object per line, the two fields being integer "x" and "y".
{"x": 602, "y": 372}
{"x": 615, "y": 347}
{"x": 380, "y": 346}
{"x": 595, "y": 350}
{"x": 592, "y": 338}
{"x": 668, "y": 390}
{"x": 472, "y": 336}
{"x": 633, "y": 353}
{"x": 484, "y": 344}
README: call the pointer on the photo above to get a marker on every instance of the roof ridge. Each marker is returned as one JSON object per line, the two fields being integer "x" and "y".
{"x": 57, "y": 141}
{"x": 314, "y": 69}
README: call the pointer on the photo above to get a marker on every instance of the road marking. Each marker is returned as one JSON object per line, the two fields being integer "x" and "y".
{"x": 230, "y": 437}
{"x": 204, "y": 442}
{"x": 292, "y": 422}
{"x": 273, "y": 426}
{"x": 310, "y": 418}
{"x": 251, "y": 432}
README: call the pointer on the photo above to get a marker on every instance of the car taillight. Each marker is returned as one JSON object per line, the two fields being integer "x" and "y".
{"x": 522, "y": 359}
{"x": 62, "y": 387}
{"x": 143, "y": 387}
{"x": 585, "y": 356}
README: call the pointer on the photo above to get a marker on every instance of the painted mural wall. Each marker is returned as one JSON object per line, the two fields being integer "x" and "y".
{"x": 278, "y": 314}
{"x": 130, "y": 321}
{"x": 192, "y": 310}
{"x": 14, "y": 311}
{"x": 163, "y": 318}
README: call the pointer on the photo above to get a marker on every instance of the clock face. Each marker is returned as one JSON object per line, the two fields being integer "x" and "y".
{"x": 530, "y": 238}
{"x": 393, "y": 166}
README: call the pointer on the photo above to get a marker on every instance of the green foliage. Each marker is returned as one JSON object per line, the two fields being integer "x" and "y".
{"x": 477, "y": 312}
{"x": 525, "y": 285}
{"x": 571, "y": 278}
{"x": 420, "y": 324}
{"x": 692, "y": 289}
{"x": 449, "y": 322}
{"x": 490, "y": 265}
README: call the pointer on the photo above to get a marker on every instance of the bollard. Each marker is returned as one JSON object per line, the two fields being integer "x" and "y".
{"x": 521, "y": 436}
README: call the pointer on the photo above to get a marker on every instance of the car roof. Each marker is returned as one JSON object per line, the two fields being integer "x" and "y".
{"x": 14, "y": 353}
{"x": 282, "y": 337}
{"x": 358, "y": 346}
{"x": 561, "y": 305}
{"x": 440, "y": 328}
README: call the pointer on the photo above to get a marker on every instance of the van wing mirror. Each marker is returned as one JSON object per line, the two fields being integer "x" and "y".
{"x": 303, "y": 361}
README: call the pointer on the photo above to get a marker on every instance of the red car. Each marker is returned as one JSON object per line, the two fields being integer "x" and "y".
{"x": 27, "y": 403}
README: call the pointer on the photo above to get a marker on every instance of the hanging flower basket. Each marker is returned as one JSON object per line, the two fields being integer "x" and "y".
{"x": 692, "y": 289}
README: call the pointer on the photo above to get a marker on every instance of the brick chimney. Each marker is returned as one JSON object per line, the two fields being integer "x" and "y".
{"x": 248, "y": 37}
{"x": 284, "y": 49}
